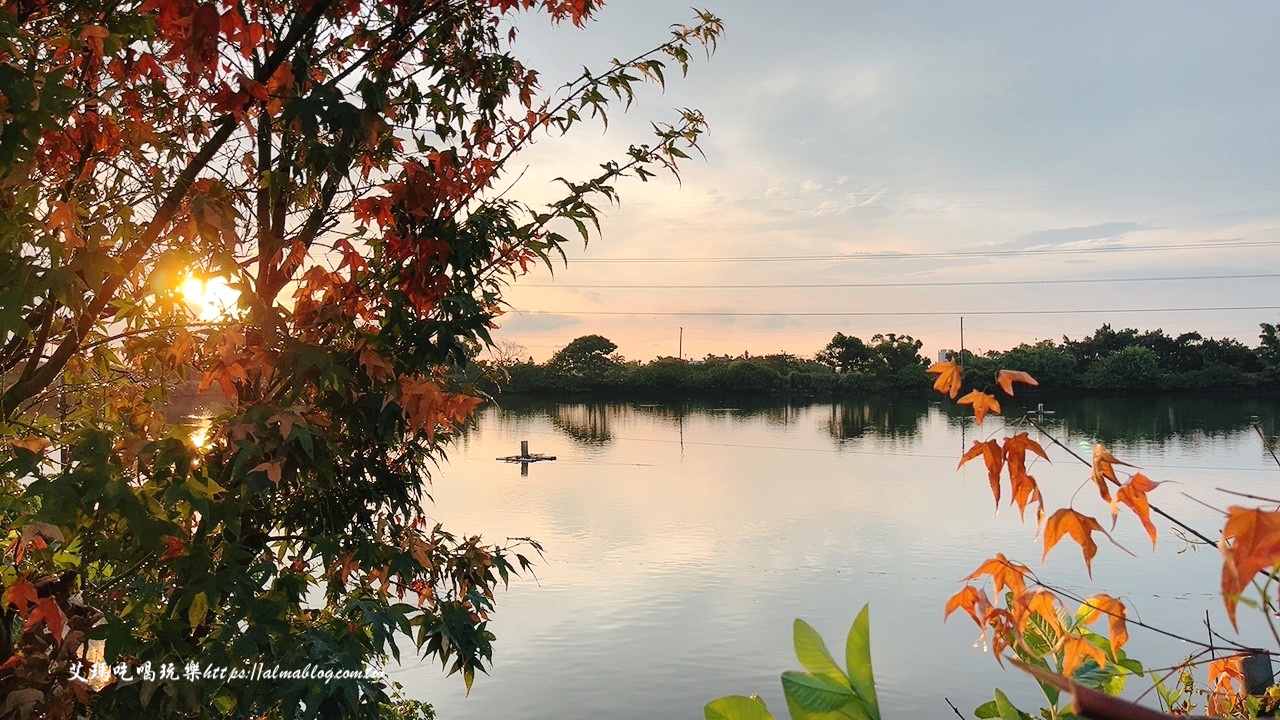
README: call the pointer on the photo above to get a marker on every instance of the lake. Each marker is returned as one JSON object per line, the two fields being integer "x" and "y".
{"x": 682, "y": 540}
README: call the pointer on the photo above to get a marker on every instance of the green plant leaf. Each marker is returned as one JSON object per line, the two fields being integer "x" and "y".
{"x": 1006, "y": 709}
{"x": 737, "y": 707}
{"x": 813, "y": 655}
{"x": 987, "y": 710}
{"x": 199, "y": 606}
{"x": 857, "y": 654}
{"x": 815, "y": 692}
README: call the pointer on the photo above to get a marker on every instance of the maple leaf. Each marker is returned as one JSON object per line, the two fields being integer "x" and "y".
{"x": 1006, "y": 378}
{"x": 1133, "y": 494}
{"x": 21, "y": 595}
{"x": 173, "y": 547}
{"x": 1039, "y": 603}
{"x": 374, "y": 365}
{"x": 274, "y": 470}
{"x": 1074, "y": 652}
{"x": 1250, "y": 544}
{"x": 35, "y": 444}
{"x": 1004, "y": 573}
{"x": 1080, "y": 527}
{"x": 1227, "y": 687}
{"x": 1226, "y": 674}
{"x": 1025, "y": 489}
{"x": 1102, "y": 471}
{"x": 346, "y": 564}
{"x": 48, "y": 612}
{"x": 1116, "y": 615}
{"x": 949, "y": 381}
{"x": 993, "y": 456}
{"x": 1001, "y": 623}
{"x": 982, "y": 404}
{"x": 973, "y": 601}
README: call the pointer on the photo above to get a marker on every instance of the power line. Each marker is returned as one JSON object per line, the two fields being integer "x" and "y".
{"x": 889, "y": 313}
{"x": 843, "y": 189}
{"x": 937, "y": 255}
{"x": 940, "y": 283}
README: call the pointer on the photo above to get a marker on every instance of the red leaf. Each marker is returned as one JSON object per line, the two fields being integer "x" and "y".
{"x": 48, "y": 612}
{"x": 21, "y": 595}
{"x": 173, "y": 547}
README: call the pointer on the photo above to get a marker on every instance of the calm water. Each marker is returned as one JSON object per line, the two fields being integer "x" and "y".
{"x": 681, "y": 541}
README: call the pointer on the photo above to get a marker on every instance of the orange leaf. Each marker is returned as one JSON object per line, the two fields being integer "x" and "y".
{"x": 1024, "y": 486}
{"x": 949, "y": 381}
{"x": 1004, "y": 573}
{"x": 982, "y": 404}
{"x": 1250, "y": 544}
{"x": 21, "y": 595}
{"x": 971, "y": 600}
{"x": 34, "y": 444}
{"x": 1116, "y": 613}
{"x": 48, "y": 612}
{"x": 1102, "y": 471}
{"x": 1080, "y": 527}
{"x": 1074, "y": 652}
{"x": 1040, "y": 602}
{"x": 1006, "y": 379}
{"x": 1134, "y": 495}
{"x": 994, "y": 457}
{"x": 1025, "y": 490}
{"x": 1226, "y": 675}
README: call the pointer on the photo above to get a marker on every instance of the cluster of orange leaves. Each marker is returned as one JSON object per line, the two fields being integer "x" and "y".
{"x": 1012, "y": 624}
{"x": 1009, "y": 458}
{"x": 1250, "y": 545}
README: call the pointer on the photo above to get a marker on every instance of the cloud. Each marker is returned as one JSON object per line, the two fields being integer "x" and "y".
{"x": 522, "y": 322}
{"x": 1065, "y": 236}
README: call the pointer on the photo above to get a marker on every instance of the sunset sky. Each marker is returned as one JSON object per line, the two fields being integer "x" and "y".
{"x": 931, "y": 147}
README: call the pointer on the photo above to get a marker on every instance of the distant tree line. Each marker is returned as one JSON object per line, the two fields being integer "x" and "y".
{"x": 1107, "y": 360}
{"x": 591, "y": 363}
{"x": 1128, "y": 360}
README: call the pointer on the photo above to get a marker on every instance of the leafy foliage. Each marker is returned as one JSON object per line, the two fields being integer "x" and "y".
{"x": 823, "y": 689}
{"x": 331, "y": 167}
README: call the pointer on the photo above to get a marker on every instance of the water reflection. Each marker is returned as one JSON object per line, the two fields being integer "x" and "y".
{"x": 1140, "y": 419}
{"x": 877, "y": 418}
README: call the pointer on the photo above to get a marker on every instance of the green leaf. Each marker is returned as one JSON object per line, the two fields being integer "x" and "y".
{"x": 737, "y": 707}
{"x": 987, "y": 710}
{"x": 199, "y": 606}
{"x": 857, "y": 653}
{"x": 813, "y": 655}
{"x": 815, "y": 692}
{"x": 1006, "y": 710}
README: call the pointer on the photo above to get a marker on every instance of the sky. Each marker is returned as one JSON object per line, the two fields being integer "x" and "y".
{"x": 1039, "y": 169}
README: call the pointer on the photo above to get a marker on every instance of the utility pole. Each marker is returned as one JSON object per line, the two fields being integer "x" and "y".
{"x": 961, "y": 341}
{"x": 681, "y": 352}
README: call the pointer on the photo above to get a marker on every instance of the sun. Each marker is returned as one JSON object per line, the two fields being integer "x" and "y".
{"x": 209, "y": 299}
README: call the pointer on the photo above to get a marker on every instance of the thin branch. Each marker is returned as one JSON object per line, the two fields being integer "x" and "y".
{"x": 1153, "y": 506}
{"x": 1265, "y": 442}
{"x": 1248, "y": 495}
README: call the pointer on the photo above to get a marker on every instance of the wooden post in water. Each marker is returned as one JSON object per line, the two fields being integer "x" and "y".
{"x": 524, "y": 448}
